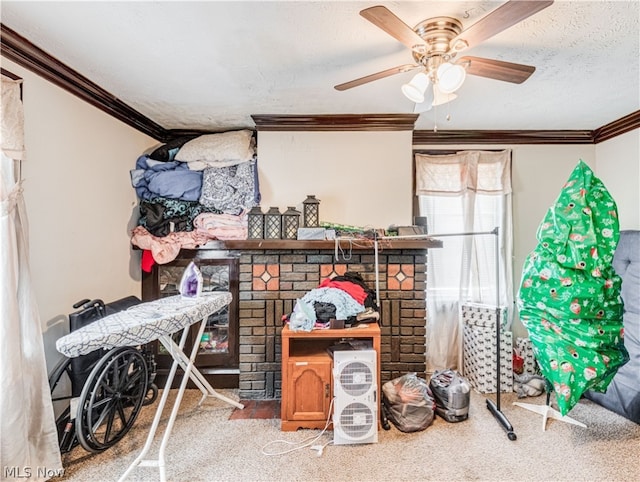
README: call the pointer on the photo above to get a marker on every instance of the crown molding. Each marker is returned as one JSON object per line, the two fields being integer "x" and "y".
{"x": 606, "y": 132}
{"x": 9, "y": 74}
{"x": 19, "y": 50}
{"x": 503, "y": 137}
{"x": 339, "y": 122}
{"x": 617, "y": 127}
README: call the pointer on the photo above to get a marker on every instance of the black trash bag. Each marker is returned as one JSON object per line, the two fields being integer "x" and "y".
{"x": 408, "y": 403}
{"x": 452, "y": 393}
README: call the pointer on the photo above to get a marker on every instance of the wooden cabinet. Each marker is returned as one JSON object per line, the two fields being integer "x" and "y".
{"x": 307, "y": 382}
{"x": 309, "y": 390}
{"x": 217, "y": 358}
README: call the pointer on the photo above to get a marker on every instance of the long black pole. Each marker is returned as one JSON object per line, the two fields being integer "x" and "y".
{"x": 495, "y": 408}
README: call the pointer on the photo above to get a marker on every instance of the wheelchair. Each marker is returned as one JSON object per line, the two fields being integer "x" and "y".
{"x": 99, "y": 395}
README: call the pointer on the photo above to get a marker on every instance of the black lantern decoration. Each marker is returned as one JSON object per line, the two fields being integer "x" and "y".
{"x": 255, "y": 223}
{"x": 272, "y": 223}
{"x": 290, "y": 223}
{"x": 311, "y": 211}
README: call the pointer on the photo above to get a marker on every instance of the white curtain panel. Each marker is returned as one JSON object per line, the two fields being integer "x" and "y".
{"x": 28, "y": 435}
{"x": 12, "y": 119}
{"x": 466, "y": 192}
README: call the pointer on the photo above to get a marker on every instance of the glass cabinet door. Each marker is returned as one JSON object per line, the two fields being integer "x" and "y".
{"x": 215, "y": 277}
{"x": 218, "y": 345}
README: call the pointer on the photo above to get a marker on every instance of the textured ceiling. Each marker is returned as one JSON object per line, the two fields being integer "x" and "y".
{"x": 211, "y": 65}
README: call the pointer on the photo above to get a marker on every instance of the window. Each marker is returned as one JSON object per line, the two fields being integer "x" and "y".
{"x": 464, "y": 196}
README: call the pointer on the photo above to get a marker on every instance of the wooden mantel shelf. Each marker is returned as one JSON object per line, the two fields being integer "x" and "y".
{"x": 355, "y": 244}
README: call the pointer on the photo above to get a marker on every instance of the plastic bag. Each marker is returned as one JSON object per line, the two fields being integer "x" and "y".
{"x": 452, "y": 394}
{"x": 408, "y": 403}
{"x": 528, "y": 385}
{"x": 191, "y": 282}
{"x": 303, "y": 317}
{"x": 569, "y": 297}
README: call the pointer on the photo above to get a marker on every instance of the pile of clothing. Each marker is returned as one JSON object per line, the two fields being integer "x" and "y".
{"x": 345, "y": 297}
{"x": 192, "y": 190}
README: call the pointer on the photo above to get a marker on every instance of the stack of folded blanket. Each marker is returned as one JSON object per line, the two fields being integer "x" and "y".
{"x": 195, "y": 189}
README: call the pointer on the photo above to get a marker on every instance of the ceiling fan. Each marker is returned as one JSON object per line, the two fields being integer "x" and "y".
{"x": 435, "y": 44}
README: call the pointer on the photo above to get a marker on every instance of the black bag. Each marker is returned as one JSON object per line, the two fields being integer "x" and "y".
{"x": 452, "y": 393}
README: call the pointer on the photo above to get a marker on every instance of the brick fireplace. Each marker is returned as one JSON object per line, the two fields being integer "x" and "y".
{"x": 268, "y": 276}
{"x": 273, "y": 274}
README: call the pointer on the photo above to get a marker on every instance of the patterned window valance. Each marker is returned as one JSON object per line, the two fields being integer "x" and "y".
{"x": 12, "y": 119}
{"x": 483, "y": 172}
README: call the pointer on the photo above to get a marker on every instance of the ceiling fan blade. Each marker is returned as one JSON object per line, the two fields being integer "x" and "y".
{"x": 496, "y": 21}
{"x": 378, "y": 75}
{"x": 497, "y": 69}
{"x": 383, "y": 18}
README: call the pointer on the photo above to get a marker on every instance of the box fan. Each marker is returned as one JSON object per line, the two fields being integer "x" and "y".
{"x": 355, "y": 389}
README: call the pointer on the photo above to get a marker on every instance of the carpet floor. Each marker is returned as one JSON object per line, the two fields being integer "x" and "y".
{"x": 209, "y": 444}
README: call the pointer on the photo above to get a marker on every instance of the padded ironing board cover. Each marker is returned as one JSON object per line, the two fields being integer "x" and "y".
{"x": 569, "y": 297}
{"x": 142, "y": 323}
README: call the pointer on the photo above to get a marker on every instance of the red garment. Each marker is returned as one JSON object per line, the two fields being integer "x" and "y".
{"x": 356, "y": 291}
{"x": 147, "y": 261}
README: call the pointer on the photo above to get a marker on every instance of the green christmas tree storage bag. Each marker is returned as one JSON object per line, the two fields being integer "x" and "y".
{"x": 569, "y": 297}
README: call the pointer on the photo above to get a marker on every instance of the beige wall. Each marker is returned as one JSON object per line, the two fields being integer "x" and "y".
{"x": 79, "y": 202}
{"x": 618, "y": 166}
{"x": 360, "y": 178}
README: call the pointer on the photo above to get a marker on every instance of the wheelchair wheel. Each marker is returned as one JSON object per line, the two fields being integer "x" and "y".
{"x": 60, "y": 384}
{"x": 111, "y": 399}
{"x": 152, "y": 394}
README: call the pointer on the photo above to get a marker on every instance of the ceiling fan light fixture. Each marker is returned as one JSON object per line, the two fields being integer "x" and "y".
{"x": 450, "y": 77}
{"x": 440, "y": 97}
{"x": 427, "y": 103}
{"x": 459, "y": 45}
{"x": 415, "y": 89}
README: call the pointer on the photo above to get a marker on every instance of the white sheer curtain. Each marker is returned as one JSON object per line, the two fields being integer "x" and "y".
{"x": 28, "y": 436}
{"x": 466, "y": 192}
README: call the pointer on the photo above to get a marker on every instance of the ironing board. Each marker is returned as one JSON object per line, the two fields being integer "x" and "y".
{"x": 146, "y": 322}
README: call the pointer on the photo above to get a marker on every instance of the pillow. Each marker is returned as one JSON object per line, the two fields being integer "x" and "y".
{"x": 225, "y": 146}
